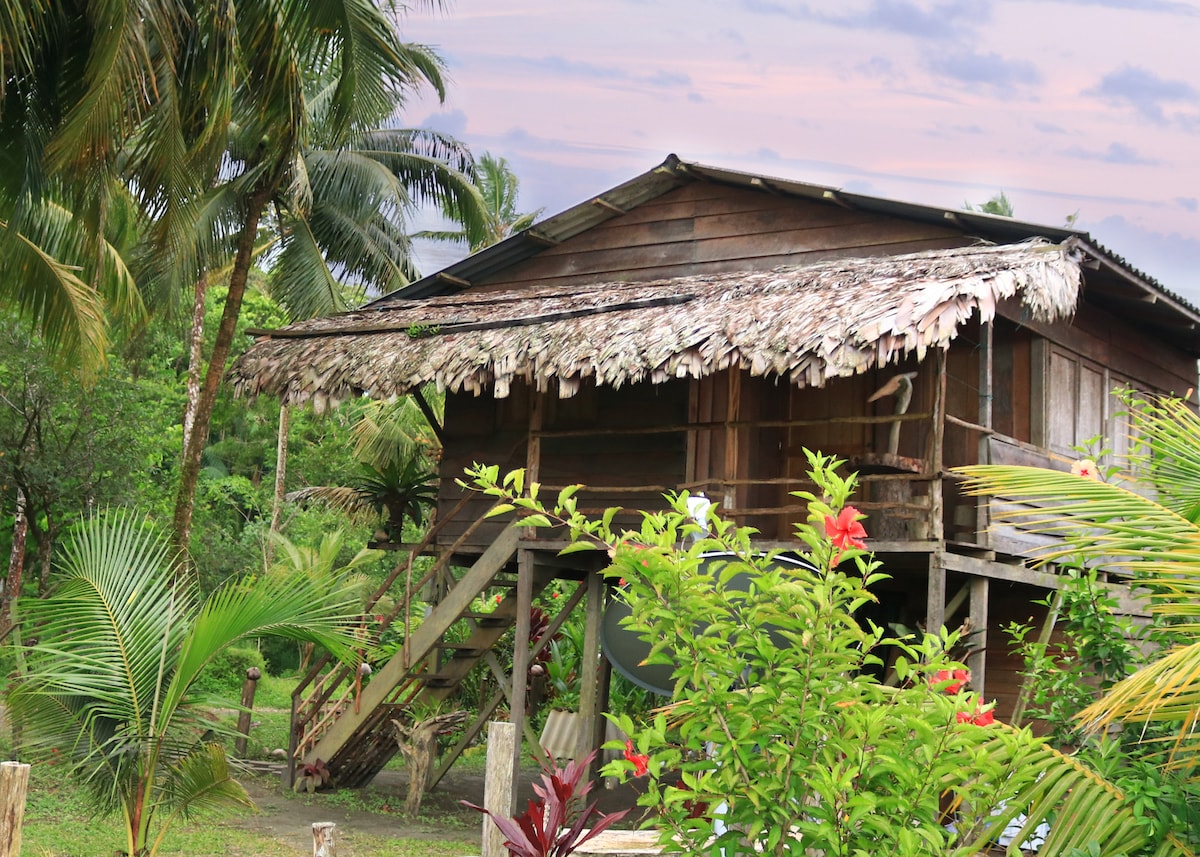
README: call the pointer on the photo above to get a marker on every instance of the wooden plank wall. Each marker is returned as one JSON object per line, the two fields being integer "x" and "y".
{"x": 708, "y": 228}
{"x": 597, "y": 443}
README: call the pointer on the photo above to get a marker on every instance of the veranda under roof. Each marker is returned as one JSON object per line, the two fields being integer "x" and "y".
{"x": 805, "y": 324}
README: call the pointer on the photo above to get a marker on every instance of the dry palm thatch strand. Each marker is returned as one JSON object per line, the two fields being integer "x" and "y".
{"x": 804, "y": 324}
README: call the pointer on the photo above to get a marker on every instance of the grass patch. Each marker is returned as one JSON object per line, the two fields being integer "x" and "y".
{"x": 58, "y": 823}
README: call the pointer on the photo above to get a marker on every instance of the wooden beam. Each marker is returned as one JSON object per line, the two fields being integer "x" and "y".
{"x": 453, "y": 280}
{"x": 589, "y": 667}
{"x": 601, "y": 202}
{"x": 520, "y": 671}
{"x": 977, "y": 659}
{"x": 429, "y": 415}
{"x": 936, "y": 464}
{"x": 935, "y": 594}
{"x": 836, "y": 198}
{"x": 983, "y": 449}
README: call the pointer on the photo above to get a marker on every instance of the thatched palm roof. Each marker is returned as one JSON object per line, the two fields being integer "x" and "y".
{"x": 806, "y": 324}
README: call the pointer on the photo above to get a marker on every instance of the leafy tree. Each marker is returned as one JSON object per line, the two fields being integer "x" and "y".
{"x": 67, "y": 449}
{"x": 496, "y": 189}
{"x": 998, "y": 204}
{"x": 111, "y": 683}
{"x": 363, "y": 75}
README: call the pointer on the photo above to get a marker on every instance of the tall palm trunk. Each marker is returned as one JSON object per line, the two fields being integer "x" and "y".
{"x": 16, "y": 563}
{"x": 281, "y": 453}
{"x": 185, "y": 499}
{"x": 195, "y": 358}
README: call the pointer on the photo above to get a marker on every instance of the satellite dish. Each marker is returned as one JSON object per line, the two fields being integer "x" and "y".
{"x": 626, "y": 651}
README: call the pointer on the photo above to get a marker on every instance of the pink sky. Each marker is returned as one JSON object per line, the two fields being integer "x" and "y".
{"x": 1088, "y": 106}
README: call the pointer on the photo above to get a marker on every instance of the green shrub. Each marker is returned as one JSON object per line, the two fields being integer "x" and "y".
{"x": 227, "y": 671}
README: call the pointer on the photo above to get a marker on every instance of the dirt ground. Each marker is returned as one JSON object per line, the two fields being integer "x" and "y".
{"x": 288, "y": 817}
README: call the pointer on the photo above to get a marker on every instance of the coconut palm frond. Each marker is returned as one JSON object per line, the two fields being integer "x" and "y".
{"x": 1165, "y": 450}
{"x": 359, "y": 506}
{"x": 1078, "y": 805}
{"x": 1097, "y": 522}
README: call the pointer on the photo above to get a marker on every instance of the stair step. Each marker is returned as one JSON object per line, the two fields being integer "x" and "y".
{"x": 431, "y": 679}
{"x": 460, "y": 647}
{"x": 488, "y": 618}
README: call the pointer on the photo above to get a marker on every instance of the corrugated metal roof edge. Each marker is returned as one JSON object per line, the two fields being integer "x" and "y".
{"x": 674, "y": 172}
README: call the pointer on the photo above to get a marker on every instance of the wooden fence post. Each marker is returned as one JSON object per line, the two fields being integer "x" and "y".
{"x": 498, "y": 784}
{"x": 14, "y": 782}
{"x": 323, "y": 839}
{"x": 243, "y": 725}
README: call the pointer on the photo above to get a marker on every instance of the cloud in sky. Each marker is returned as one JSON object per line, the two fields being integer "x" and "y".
{"x": 1168, "y": 257}
{"x": 452, "y": 122}
{"x": 1116, "y": 153}
{"x": 1145, "y": 92}
{"x": 1167, "y": 6}
{"x": 990, "y": 70}
{"x": 561, "y": 67}
{"x": 900, "y": 17}
{"x": 1189, "y": 203}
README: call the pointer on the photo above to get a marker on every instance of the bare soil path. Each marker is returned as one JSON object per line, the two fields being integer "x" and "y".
{"x": 375, "y": 811}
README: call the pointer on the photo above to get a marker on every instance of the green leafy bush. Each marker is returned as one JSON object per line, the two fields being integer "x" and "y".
{"x": 226, "y": 673}
{"x": 781, "y": 737}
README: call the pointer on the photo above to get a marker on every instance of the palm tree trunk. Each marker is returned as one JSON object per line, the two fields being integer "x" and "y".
{"x": 281, "y": 452}
{"x": 185, "y": 499}
{"x": 195, "y": 358}
{"x": 16, "y": 564}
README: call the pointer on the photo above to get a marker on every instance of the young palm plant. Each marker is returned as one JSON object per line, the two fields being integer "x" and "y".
{"x": 112, "y": 662}
{"x": 1153, "y": 538}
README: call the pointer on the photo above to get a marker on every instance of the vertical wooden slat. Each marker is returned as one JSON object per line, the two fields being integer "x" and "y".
{"x": 935, "y": 594}
{"x": 1039, "y": 390}
{"x": 986, "y": 347}
{"x": 977, "y": 661}
{"x": 589, "y": 669}
{"x": 520, "y": 671}
{"x": 732, "y": 408}
{"x": 937, "y": 442}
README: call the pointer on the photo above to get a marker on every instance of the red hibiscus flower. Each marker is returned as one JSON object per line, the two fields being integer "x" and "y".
{"x": 641, "y": 763}
{"x": 845, "y": 531}
{"x": 979, "y": 717}
{"x": 956, "y": 679}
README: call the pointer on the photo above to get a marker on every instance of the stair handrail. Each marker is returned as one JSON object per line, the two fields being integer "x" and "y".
{"x": 306, "y": 710}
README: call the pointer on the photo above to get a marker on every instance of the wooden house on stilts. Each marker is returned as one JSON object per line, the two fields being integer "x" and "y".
{"x": 695, "y": 328}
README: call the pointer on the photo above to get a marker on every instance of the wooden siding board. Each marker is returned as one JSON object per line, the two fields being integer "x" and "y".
{"x": 723, "y": 266}
{"x": 1112, "y": 342}
{"x": 751, "y": 248}
{"x": 689, "y": 224}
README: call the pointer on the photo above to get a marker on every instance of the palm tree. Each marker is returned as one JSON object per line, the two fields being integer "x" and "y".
{"x": 363, "y": 77}
{"x": 110, "y": 682}
{"x": 496, "y": 189}
{"x": 1154, "y": 540}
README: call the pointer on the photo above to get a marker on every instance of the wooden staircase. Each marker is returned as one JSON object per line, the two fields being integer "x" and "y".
{"x": 343, "y": 718}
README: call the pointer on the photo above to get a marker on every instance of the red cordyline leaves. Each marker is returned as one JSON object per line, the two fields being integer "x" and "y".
{"x": 542, "y": 830}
